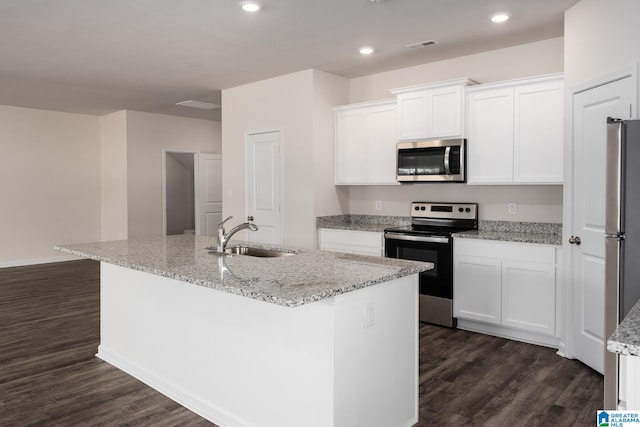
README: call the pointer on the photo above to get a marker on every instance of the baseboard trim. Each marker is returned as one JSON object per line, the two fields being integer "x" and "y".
{"x": 204, "y": 409}
{"x": 36, "y": 261}
{"x": 513, "y": 334}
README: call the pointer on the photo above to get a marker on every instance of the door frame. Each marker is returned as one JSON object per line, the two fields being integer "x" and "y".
{"x": 166, "y": 151}
{"x": 280, "y": 177}
{"x": 567, "y": 343}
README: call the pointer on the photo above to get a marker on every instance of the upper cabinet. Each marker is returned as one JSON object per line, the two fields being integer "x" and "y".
{"x": 431, "y": 111}
{"x": 515, "y": 131}
{"x": 366, "y": 137}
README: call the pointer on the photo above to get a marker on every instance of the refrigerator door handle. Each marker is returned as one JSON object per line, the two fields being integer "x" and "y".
{"x": 614, "y": 177}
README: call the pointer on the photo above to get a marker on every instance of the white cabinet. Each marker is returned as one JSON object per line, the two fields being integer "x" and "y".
{"x": 629, "y": 383}
{"x": 528, "y": 295}
{"x": 515, "y": 131}
{"x": 351, "y": 241}
{"x": 431, "y": 111}
{"x": 477, "y": 288}
{"x": 366, "y": 137}
{"x": 512, "y": 285}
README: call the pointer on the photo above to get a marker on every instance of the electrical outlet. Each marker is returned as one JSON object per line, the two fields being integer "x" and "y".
{"x": 378, "y": 205}
{"x": 512, "y": 208}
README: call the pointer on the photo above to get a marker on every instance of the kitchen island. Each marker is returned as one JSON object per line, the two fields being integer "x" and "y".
{"x": 315, "y": 338}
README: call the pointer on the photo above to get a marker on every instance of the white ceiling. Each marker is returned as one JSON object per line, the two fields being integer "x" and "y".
{"x": 100, "y": 56}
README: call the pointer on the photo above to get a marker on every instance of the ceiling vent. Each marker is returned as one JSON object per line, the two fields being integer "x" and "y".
{"x": 421, "y": 44}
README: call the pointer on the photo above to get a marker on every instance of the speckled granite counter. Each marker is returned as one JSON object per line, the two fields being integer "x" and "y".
{"x": 626, "y": 338}
{"x": 373, "y": 223}
{"x": 291, "y": 281}
{"x": 512, "y": 231}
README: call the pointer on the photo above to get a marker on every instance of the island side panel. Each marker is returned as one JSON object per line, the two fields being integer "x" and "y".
{"x": 376, "y": 368}
{"x": 233, "y": 360}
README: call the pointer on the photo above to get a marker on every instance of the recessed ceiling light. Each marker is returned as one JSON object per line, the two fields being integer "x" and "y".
{"x": 366, "y": 50}
{"x": 250, "y": 6}
{"x": 198, "y": 104}
{"x": 499, "y": 17}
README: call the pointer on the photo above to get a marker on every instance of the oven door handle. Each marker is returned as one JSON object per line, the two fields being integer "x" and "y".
{"x": 428, "y": 239}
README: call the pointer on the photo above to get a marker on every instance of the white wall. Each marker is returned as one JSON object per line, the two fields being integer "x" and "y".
{"x": 287, "y": 103}
{"x": 601, "y": 37}
{"x": 113, "y": 176}
{"x": 531, "y": 59}
{"x": 535, "y": 203}
{"x": 147, "y": 135}
{"x": 329, "y": 90}
{"x": 49, "y": 182}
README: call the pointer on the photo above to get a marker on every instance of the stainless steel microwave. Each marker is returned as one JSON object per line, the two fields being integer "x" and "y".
{"x": 441, "y": 160}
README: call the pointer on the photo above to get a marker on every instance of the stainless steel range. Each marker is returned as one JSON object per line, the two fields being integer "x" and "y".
{"x": 428, "y": 239}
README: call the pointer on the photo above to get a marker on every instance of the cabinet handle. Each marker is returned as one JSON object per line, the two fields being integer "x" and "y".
{"x": 250, "y": 218}
{"x": 575, "y": 240}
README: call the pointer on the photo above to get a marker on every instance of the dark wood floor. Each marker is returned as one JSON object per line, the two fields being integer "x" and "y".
{"x": 49, "y": 375}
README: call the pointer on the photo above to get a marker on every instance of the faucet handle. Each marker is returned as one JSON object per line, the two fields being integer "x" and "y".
{"x": 221, "y": 225}
{"x": 250, "y": 218}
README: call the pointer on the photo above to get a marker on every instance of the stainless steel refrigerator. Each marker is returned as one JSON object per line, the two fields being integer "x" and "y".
{"x": 622, "y": 243}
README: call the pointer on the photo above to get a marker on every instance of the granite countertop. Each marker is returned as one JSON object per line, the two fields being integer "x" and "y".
{"x": 372, "y": 223}
{"x": 290, "y": 281}
{"x": 626, "y": 338}
{"x": 505, "y": 231}
{"x": 512, "y": 231}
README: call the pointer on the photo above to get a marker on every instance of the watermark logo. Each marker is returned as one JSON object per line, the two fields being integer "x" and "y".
{"x": 618, "y": 418}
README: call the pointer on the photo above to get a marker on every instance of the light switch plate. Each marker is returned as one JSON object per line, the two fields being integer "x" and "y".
{"x": 512, "y": 208}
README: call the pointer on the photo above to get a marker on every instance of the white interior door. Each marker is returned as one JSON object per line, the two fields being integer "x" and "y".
{"x": 208, "y": 202}
{"x": 263, "y": 186}
{"x": 590, "y": 111}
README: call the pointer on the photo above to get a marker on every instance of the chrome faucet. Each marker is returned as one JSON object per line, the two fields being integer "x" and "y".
{"x": 223, "y": 237}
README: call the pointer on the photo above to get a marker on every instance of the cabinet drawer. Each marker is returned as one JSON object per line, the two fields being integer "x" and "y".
{"x": 351, "y": 237}
{"x": 515, "y": 251}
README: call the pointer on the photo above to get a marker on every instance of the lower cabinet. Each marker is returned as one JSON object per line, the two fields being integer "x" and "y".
{"x": 510, "y": 285}
{"x": 629, "y": 383}
{"x": 351, "y": 241}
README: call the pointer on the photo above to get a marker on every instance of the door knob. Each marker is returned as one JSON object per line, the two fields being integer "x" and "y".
{"x": 575, "y": 240}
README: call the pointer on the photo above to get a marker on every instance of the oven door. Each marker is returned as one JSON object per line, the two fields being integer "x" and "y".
{"x": 438, "y": 250}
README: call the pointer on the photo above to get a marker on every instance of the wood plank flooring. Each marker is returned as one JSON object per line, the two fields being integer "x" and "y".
{"x": 49, "y": 375}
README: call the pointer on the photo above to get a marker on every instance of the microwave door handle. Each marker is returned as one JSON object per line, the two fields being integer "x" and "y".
{"x": 447, "y": 153}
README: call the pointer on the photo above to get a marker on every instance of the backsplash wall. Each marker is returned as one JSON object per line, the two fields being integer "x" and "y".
{"x": 535, "y": 203}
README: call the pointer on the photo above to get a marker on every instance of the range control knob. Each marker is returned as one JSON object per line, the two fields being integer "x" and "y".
{"x": 468, "y": 210}
{"x": 416, "y": 208}
{"x": 460, "y": 210}
{"x": 422, "y": 208}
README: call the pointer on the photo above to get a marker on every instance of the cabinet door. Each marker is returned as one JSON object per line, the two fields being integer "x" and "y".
{"x": 538, "y": 133}
{"x": 381, "y": 140}
{"x": 412, "y": 115}
{"x": 477, "y": 288}
{"x": 529, "y": 296}
{"x": 350, "y": 146}
{"x": 444, "y": 112}
{"x": 490, "y": 131}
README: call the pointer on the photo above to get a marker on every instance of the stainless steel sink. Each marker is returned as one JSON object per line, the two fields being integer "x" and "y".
{"x": 257, "y": 252}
